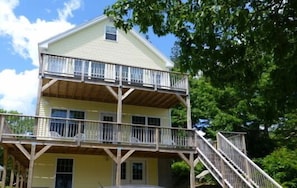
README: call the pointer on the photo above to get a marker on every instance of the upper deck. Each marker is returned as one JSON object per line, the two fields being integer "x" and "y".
{"x": 85, "y": 79}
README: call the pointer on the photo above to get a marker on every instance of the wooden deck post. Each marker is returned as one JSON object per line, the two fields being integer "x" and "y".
{"x": 12, "y": 172}
{"x": 31, "y": 166}
{"x": 119, "y": 110}
{"x": 188, "y": 102}
{"x": 5, "y": 158}
{"x": 118, "y": 173}
{"x": 18, "y": 175}
{"x": 192, "y": 171}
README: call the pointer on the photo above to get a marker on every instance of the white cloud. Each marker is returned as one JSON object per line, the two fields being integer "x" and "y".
{"x": 68, "y": 8}
{"x": 20, "y": 89}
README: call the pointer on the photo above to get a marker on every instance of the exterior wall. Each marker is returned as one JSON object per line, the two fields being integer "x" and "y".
{"x": 88, "y": 170}
{"x": 90, "y": 43}
{"x": 94, "y": 109}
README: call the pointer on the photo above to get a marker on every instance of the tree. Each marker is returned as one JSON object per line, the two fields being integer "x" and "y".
{"x": 233, "y": 42}
{"x": 282, "y": 165}
{"x": 247, "y": 52}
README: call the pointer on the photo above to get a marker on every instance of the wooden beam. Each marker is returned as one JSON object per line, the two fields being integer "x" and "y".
{"x": 18, "y": 174}
{"x": 182, "y": 100}
{"x": 192, "y": 171}
{"x": 127, "y": 93}
{"x": 112, "y": 92}
{"x": 184, "y": 158}
{"x": 5, "y": 159}
{"x": 31, "y": 165}
{"x": 118, "y": 173}
{"x": 50, "y": 83}
{"x": 39, "y": 153}
{"x": 23, "y": 150}
{"x": 111, "y": 155}
{"x": 196, "y": 161}
{"x": 12, "y": 172}
{"x": 128, "y": 154}
{"x": 119, "y": 107}
{"x": 2, "y": 121}
{"x": 189, "y": 120}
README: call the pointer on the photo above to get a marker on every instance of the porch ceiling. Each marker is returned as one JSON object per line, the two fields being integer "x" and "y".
{"x": 100, "y": 93}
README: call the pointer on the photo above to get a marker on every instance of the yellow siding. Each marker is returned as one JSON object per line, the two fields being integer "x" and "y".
{"x": 88, "y": 170}
{"x": 152, "y": 171}
{"x": 90, "y": 43}
{"x": 94, "y": 109}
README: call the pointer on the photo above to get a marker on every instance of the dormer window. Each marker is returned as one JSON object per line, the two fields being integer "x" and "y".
{"x": 110, "y": 33}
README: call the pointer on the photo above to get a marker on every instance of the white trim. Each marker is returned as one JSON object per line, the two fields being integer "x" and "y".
{"x": 116, "y": 33}
{"x": 73, "y": 168}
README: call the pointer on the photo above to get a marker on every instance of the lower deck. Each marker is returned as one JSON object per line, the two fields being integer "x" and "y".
{"x": 104, "y": 142}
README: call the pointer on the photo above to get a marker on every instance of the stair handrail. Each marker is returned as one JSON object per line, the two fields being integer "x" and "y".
{"x": 226, "y": 178}
{"x": 245, "y": 164}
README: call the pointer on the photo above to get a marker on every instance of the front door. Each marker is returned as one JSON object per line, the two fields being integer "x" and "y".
{"x": 133, "y": 172}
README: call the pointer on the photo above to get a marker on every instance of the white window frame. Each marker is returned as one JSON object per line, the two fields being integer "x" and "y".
{"x": 106, "y": 33}
{"x": 72, "y": 173}
{"x": 67, "y": 117}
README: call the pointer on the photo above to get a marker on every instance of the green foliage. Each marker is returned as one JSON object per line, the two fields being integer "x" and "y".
{"x": 181, "y": 171}
{"x": 282, "y": 165}
{"x": 247, "y": 52}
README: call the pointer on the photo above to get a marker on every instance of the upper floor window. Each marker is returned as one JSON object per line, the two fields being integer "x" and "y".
{"x": 110, "y": 33}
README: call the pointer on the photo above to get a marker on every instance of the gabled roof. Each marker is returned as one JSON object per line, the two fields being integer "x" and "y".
{"x": 44, "y": 44}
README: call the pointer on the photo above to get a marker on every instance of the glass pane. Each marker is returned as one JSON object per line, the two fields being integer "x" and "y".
{"x": 63, "y": 181}
{"x": 73, "y": 125}
{"x": 138, "y": 120}
{"x": 123, "y": 171}
{"x": 58, "y": 125}
{"x": 137, "y": 169}
{"x": 136, "y": 75}
{"x": 64, "y": 165}
{"x": 111, "y": 33}
{"x": 153, "y": 121}
{"x": 97, "y": 70}
{"x": 77, "y": 114}
{"x": 59, "y": 113}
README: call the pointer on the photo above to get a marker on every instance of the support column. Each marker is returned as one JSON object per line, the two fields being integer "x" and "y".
{"x": 189, "y": 120}
{"x": 119, "y": 160}
{"x": 31, "y": 166}
{"x": 119, "y": 110}
{"x": 18, "y": 175}
{"x": 118, "y": 173}
{"x": 12, "y": 172}
{"x": 192, "y": 171}
{"x": 5, "y": 158}
{"x": 192, "y": 163}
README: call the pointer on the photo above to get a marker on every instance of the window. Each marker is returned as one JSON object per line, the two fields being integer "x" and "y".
{"x": 64, "y": 173}
{"x": 141, "y": 133}
{"x": 65, "y": 127}
{"x": 123, "y": 171}
{"x": 137, "y": 171}
{"x": 110, "y": 33}
{"x": 133, "y": 172}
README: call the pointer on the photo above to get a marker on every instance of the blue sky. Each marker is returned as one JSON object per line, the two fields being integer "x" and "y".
{"x": 24, "y": 23}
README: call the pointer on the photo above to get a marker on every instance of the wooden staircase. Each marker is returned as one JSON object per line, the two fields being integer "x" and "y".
{"x": 230, "y": 166}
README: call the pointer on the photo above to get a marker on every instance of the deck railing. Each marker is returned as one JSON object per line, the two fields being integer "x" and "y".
{"x": 252, "y": 172}
{"x": 95, "y": 71}
{"x": 101, "y": 132}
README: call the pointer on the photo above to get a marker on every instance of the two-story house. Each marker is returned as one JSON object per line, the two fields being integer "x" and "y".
{"x": 103, "y": 113}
